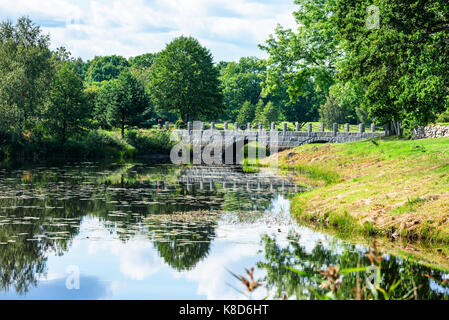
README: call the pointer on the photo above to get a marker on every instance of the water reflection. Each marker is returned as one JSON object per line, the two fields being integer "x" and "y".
{"x": 282, "y": 280}
{"x": 142, "y": 231}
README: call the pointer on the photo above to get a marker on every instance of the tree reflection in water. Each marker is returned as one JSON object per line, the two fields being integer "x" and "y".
{"x": 305, "y": 284}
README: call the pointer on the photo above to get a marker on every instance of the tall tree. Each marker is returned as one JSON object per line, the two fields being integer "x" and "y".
{"x": 403, "y": 60}
{"x": 271, "y": 114}
{"x": 25, "y": 73}
{"x": 241, "y": 81}
{"x": 67, "y": 109}
{"x": 308, "y": 55}
{"x": 128, "y": 100}
{"x": 185, "y": 81}
{"x": 246, "y": 114}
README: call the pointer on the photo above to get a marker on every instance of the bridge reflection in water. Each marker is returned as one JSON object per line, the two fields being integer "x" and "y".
{"x": 231, "y": 178}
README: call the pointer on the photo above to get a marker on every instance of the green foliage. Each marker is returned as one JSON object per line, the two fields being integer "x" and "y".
{"x": 309, "y": 55}
{"x": 271, "y": 113}
{"x": 106, "y": 68}
{"x": 67, "y": 110}
{"x": 90, "y": 95}
{"x": 246, "y": 114}
{"x": 443, "y": 116}
{"x": 403, "y": 63}
{"x": 128, "y": 103}
{"x": 26, "y": 70}
{"x": 121, "y": 102}
{"x": 149, "y": 141}
{"x": 241, "y": 81}
{"x": 184, "y": 80}
{"x": 260, "y": 106}
{"x": 333, "y": 111}
{"x": 180, "y": 125}
{"x": 143, "y": 61}
{"x": 102, "y": 144}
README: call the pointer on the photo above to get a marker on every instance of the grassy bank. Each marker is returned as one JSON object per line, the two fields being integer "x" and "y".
{"x": 92, "y": 145}
{"x": 390, "y": 187}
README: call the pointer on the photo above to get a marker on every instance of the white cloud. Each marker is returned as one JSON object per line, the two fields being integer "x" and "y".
{"x": 230, "y": 29}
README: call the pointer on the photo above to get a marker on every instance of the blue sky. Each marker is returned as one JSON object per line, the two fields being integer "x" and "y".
{"x": 229, "y": 28}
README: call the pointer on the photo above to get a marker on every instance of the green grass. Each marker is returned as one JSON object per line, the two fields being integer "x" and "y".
{"x": 389, "y": 186}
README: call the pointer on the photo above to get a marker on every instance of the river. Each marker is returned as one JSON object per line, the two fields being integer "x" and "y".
{"x": 158, "y": 231}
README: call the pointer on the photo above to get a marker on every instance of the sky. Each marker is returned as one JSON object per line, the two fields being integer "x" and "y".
{"x": 87, "y": 28}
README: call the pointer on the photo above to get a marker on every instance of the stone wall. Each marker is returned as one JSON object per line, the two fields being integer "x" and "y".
{"x": 433, "y": 131}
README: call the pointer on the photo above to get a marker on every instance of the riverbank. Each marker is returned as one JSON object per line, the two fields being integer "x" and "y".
{"x": 385, "y": 187}
{"x": 92, "y": 145}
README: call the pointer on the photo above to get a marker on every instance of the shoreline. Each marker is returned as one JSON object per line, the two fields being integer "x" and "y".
{"x": 385, "y": 188}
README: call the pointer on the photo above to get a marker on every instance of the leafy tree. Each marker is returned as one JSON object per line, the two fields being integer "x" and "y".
{"x": 91, "y": 94}
{"x": 246, "y": 113}
{"x": 260, "y": 106}
{"x": 105, "y": 97}
{"x": 185, "y": 81}
{"x": 143, "y": 61}
{"x": 241, "y": 82}
{"x": 333, "y": 111}
{"x": 62, "y": 56}
{"x": 309, "y": 55}
{"x": 127, "y": 100}
{"x": 106, "y": 68}
{"x": 67, "y": 109}
{"x": 403, "y": 62}
{"x": 25, "y": 73}
{"x": 303, "y": 109}
{"x": 270, "y": 114}
{"x": 81, "y": 67}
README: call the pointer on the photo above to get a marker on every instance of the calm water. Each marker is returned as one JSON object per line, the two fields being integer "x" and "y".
{"x": 146, "y": 231}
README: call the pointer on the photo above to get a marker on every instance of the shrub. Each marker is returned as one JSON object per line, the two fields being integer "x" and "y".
{"x": 102, "y": 144}
{"x": 180, "y": 124}
{"x": 149, "y": 141}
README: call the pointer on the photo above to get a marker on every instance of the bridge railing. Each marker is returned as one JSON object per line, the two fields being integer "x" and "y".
{"x": 309, "y": 127}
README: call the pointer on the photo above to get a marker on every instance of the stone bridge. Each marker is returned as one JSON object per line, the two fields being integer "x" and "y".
{"x": 274, "y": 139}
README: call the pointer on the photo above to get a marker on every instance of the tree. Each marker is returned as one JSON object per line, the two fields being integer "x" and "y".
{"x": 105, "y": 68}
{"x": 241, "y": 82}
{"x": 25, "y": 73}
{"x": 333, "y": 111}
{"x": 309, "y": 55}
{"x": 91, "y": 95}
{"x": 246, "y": 113}
{"x": 304, "y": 108}
{"x": 348, "y": 98}
{"x": 105, "y": 98}
{"x": 67, "y": 109}
{"x": 143, "y": 61}
{"x": 403, "y": 62}
{"x": 185, "y": 81}
{"x": 124, "y": 101}
{"x": 260, "y": 106}
{"x": 270, "y": 114}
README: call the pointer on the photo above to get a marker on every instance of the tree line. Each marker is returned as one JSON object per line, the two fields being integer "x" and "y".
{"x": 380, "y": 60}
{"x": 347, "y": 61}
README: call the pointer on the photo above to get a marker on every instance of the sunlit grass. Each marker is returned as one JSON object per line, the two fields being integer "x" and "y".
{"x": 385, "y": 186}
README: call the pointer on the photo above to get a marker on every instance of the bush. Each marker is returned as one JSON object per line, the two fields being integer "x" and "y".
{"x": 149, "y": 141}
{"x": 443, "y": 117}
{"x": 102, "y": 144}
{"x": 180, "y": 124}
